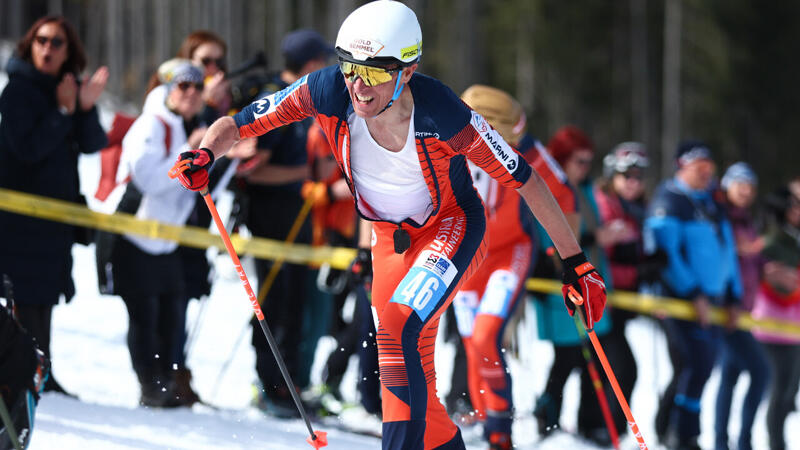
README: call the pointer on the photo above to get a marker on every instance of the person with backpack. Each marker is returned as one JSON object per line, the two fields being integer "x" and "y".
{"x": 23, "y": 372}
{"x": 49, "y": 118}
{"x": 147, "y": 272}
{"x": 402, "y": 140}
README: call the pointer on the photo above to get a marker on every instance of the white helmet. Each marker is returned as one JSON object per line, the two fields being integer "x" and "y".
{"x": 379, "y": 33}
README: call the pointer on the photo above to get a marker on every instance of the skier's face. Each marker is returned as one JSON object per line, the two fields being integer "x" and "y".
{"x": 368, "y": 101}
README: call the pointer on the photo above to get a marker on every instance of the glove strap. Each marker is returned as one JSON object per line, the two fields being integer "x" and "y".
{"x": 210, "y": 154}
{"x": 575, "y": 267}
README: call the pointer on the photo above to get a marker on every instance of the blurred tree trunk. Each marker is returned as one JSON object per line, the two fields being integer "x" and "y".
{"x": 115, "y": 45}
{"x": 525, "y": 65}
{"x": 305, "y": 14}
{"x": 55, "y": 7}
{"x": 16, "y": 23}
{"x": 138, "y": 68}
{"x": 465, "y": 47}
{"x": 640, "y": 129}
{"x": 163, "y": 32}
{"x": 256, "y": 24}
{"x": 281, "y": 11}
{"x": 671, "y": 117}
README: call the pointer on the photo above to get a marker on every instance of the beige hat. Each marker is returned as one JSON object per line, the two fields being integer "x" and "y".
{"x": 501, "y": 110}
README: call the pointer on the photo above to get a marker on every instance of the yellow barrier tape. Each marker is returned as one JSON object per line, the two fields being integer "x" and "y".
{"x": 75, "y": 214}
{"x": 337, "y": 257}
{"x": 672, "y": 307}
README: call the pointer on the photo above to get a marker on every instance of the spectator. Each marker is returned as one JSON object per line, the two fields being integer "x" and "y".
{"x": 573, "y": 151}
{"x": 49, "y": 117}
{"x": 273, "y": 182}
{"x": 740, "y": 351}
{"x": 23, "y": 370}
{"x": 685, "y": 221}
{"x": 778, "y": 297}
{"x": 148, "y": 273}
{"x": 621, "y": 202}
{"x": 209, "y": 51}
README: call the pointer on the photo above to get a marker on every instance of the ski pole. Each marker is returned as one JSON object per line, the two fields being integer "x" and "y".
{"x": 9, "y": 424}
{"x": 598, "y": 387}
{"x": 268, "y": 281}
{"x": 577, "y": 299}
{"x": 317, "y": 439}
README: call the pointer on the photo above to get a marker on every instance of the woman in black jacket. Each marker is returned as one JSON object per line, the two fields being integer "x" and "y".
{"x": 48, "y": 117}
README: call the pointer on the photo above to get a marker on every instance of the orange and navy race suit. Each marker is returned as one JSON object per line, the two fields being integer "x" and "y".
{"x": 487, "y": 300}
{"x": 411, "y": 289}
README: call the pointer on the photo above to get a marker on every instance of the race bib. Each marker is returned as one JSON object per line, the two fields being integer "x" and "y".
{"x": 425, "y": 283}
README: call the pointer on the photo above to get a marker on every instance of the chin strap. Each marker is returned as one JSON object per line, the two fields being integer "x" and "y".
{"x": 398, "y": 88}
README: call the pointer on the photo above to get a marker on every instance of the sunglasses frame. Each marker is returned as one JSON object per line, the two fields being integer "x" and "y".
{"x": 353, "y": 75}
{"x": 219, "y": 62}
{"x": 55, "y": 41}
{"x": 184, "y": 86}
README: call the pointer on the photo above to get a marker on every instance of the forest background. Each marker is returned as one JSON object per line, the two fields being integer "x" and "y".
{"x": 655, "y": 71}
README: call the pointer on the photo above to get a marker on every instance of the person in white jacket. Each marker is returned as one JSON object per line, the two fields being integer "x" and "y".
{"x": 148, "y": 273}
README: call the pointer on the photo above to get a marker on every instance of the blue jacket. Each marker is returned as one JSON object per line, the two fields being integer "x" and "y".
{"x": 692, "y": 228}
{"x": 39, "y": 149}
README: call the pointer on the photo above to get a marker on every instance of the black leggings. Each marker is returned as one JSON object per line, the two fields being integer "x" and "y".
{"x": 785, "y": 362}
{"x": 154, "y": 330}
{"x": 152, "y": 288}
{"x": 36, "y": 320}
{"x": 568, "y": 358}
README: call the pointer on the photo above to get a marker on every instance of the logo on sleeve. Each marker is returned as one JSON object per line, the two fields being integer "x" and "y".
{"x": 501, "y": 150}
{"x": 262, "y": 106}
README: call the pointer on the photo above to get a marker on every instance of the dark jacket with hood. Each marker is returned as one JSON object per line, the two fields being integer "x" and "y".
{"x": 39, "y": 149}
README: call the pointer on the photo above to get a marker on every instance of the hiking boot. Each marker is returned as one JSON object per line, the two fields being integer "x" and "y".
{"x": 597, "y": 436}
{"x": 184, "y": 394}
{"x": 673, "y": 442}
{"x": 156, "y": 393}
{"x": 546, "y": 413}
{"x": 276, "y": 402}
{"x": 500, "y": 441}
{"x": 51, "y": 385}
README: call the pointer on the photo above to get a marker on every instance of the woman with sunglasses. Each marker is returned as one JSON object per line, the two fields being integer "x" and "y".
{"x": 621, "y": 202}
{"x": 48, "y": 118}
{"x": 168, "y": 125}
{"x": 207, "y": 50}
{"x": 402, "y": 140}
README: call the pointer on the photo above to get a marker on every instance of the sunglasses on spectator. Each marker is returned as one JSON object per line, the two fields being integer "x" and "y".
{"x": 56, "y": 42}
{"x": 185, "y": 85}
{"x": 219, "y": 62}
{"x": 371, "y": 76}
{"x": 632, "y": 175}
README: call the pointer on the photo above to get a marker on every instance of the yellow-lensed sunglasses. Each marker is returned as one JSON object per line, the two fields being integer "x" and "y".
{"x": 372, "y": 76}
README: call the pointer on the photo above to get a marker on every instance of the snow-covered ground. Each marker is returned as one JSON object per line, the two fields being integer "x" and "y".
{"x": 90, "y": 359}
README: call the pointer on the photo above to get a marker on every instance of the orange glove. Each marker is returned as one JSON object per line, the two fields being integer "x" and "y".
{"x": 316, "y": 191}
{"x": 583, "y": 288}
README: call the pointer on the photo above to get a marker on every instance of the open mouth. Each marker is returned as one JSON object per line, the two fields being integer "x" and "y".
{"x": 363, "y": 99}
